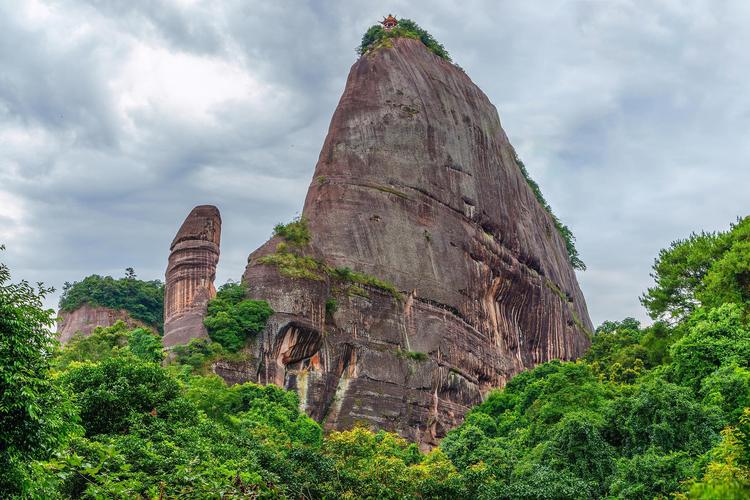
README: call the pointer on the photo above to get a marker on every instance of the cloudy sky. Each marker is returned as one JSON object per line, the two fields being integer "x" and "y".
{"x": 116, "y": 118}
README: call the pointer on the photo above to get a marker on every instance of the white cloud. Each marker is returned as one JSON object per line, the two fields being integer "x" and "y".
{"x": 182, "y": 85}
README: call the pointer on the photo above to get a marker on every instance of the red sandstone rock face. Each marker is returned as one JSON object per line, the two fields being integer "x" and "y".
{"x": 190, "y": 275}
{"x": 416, "y": 185}
{"x": 86, "y": 318}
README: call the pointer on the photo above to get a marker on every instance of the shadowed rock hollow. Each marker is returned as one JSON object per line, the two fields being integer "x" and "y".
{"x": 416, "y": 185}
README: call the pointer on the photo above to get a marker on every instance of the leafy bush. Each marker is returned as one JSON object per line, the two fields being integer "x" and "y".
{"x": 718, "y": 338}
{"x": 198, "y": 353}
{"x": 116, "y": 390}
{"x": 296, "y": 232}
{"x": 331, "y": 306}
{"x": 232, "y": 319}
{"x": 382, "y": 465}
{"x": 415, "y": 355}
{"x": 651, "y": 474}
{"x": 292, "y": 265}
{"x": 377, "y": 35}
{"x": 106, "y": 342}
{"x": 143, "y": 300}
{"x": 347, "y": 275}
{"x": 145, "y": 345}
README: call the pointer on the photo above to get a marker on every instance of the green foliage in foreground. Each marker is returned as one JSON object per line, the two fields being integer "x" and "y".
{"x": 649, "y": 412}
{"x": 232, "y": 319}
{"x": 565, "y": 232}
{"x": 149, "y": 431}
{"x": 111, "y": 341}
{"x": 376, "y": 36}
{"x": 35, "y": 414}
{"x": 143, "y": 300}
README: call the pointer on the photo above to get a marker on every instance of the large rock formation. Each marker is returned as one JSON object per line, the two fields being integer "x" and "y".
{"x": 87, "y": 317}
{"x": 418, "y": 186}
{"x": 190, "y": 275}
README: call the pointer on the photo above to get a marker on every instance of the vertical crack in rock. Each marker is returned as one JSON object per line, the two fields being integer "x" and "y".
{"x": 417, "y": 186}
{"x": 190, "y": 275}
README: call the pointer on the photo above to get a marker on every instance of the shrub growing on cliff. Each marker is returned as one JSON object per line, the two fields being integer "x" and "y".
{"x": 565, "y": 232}
{"x": 406, "y": 28}
{"x": 295, "y": 233}
{"x": 143, "y": 300}
{"x": 231, "y": 318}
{"x": 347, "y": 275}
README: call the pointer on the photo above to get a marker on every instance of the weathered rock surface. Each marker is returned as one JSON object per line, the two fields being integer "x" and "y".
{"x": 416, "y": 185}
{"x": 87, "y": 317}
{"x": 190, "y": 275}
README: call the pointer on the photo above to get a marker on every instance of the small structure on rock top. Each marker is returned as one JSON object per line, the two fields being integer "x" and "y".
{"x": 190, "y": 275}
{"x": 389, "y": 22}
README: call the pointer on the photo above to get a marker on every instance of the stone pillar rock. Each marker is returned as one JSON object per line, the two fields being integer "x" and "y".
{"x": 190, "y": 275}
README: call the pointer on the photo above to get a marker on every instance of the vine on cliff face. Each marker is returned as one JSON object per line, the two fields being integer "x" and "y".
{"x": 377, "y": 36}
{"x": 565, "y": 232}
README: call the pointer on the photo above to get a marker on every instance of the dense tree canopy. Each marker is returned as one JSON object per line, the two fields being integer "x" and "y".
{"x": 704, "y": 269}
{"x": 232, "y": 317}
{"x": 143, "y": 300}
{"x": 653, "y": 411}
{"x": 646, "y": 409}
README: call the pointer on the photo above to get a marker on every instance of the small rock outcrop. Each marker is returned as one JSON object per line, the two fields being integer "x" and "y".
{"x": 190, "y": 275}
{"x": 87, "y": 317}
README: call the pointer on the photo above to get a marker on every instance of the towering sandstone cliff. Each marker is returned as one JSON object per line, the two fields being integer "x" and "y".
{"x": 416, "y": 185}
{"x": 190, "y": 275}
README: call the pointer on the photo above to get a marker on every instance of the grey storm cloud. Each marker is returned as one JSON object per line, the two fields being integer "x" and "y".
{"x": 118, "y": 117}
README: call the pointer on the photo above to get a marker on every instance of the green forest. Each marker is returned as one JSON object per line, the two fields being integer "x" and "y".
{"x": 143, "y": 300}
{"x": 649, "y": 412}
